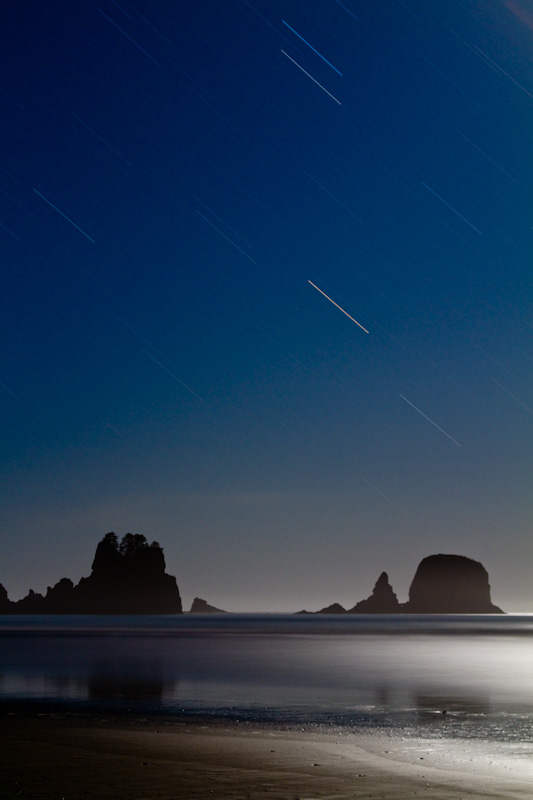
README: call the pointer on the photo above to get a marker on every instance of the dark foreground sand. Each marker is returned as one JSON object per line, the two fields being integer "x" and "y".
{"x": 76, "y": 756}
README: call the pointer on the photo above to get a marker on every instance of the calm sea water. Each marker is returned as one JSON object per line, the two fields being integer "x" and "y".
{"x": 467, "y": 676}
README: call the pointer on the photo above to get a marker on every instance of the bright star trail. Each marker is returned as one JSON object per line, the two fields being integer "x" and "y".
{"x": 312, "y": 48}
{"x": 310, "y": 76}
{"x": 337, "y": 305}
{"x": 168, "y": 184}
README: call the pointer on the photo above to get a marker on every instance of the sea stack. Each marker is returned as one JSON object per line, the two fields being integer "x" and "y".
{"x": 128, "y": 577}
{"x": 334, "y": 608}
{"x": 382, "y": 600}
{"x": 450, "y": 584}
{"x": 200, "y": 606}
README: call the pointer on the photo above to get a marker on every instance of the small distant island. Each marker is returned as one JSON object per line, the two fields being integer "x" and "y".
{"x": 128, "y": 577}
{"x": 200, "y": 606}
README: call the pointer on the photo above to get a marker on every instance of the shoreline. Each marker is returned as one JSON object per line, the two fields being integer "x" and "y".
{"x": 45, "y": 755}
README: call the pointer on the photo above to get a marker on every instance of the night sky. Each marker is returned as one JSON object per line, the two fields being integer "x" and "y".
{"x": 191, "y": 195}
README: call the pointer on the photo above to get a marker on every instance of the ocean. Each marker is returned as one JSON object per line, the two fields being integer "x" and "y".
{"x": 462, "y": 677}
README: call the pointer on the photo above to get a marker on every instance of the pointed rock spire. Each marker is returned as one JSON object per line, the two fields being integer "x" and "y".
{"x": 382, "y": 600}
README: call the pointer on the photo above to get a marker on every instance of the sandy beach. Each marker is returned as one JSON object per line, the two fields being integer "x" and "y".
{"x": 81, "y": 756}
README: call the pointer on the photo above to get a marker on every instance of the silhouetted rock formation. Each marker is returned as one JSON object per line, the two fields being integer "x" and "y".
{"x": 31, "y": 604}
{"x": 5, "y": 603}
{"x": 448, "y": 584}
{"x": 200, "y": 606}
{"x": 443, "y": 584}
{"x": 381, "y": 601}
{"x": 59, "y": 597}
{"x": 334, "y": 608}
{"x": 128, "y": 577}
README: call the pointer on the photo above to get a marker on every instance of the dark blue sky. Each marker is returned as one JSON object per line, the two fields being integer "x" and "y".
{"x": 172, "y": 177}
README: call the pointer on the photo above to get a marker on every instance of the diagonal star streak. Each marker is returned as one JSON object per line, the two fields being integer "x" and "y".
{"x": 172, "y": 374}
{"x": 513, "y": 396}
{"x": 310, "y": 76}
{"x": 65, "y": 216}
{"x": 128, "y": 37}
{"x": 312, "y": 48}
{"x": 227, "y": 238}
{"x": 430, "y": 420}
{"x": 337, "y": 306}
{"x": 451, "y": 207}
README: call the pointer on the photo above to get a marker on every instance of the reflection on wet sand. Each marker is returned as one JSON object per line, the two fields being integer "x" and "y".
{"x": 106, "y": 682}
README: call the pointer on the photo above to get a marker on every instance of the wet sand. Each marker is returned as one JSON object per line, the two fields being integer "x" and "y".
{"x": 45, "y": 756}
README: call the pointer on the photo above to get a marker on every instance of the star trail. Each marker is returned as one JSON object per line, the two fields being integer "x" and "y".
{"x": 174, "y": 178}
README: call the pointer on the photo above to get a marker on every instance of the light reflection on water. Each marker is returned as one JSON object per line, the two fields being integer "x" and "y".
{"x": 467, "y": 676}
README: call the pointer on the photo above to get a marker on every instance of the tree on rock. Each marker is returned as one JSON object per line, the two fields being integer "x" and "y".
{"x": 128, "y": 577}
